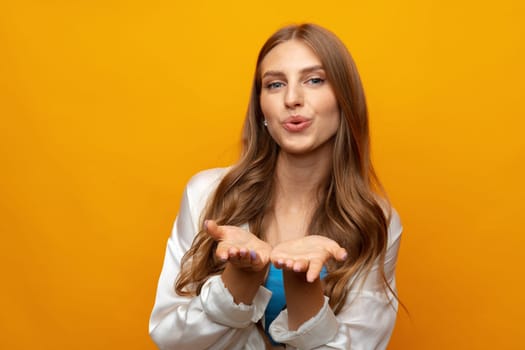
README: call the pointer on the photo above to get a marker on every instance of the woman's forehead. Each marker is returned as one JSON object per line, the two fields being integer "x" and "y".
{"x": 292, "y": 55}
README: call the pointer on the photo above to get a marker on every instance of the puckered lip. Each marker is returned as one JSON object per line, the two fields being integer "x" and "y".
{"x": 296, "y": 123}
{"x": 296, "y": 119}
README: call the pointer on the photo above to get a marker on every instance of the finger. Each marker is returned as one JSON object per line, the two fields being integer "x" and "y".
{"x": 263, "y": 257}
{"x": 213, "y": 230}
{"x": 289, "y": 264}
{"x": 337, "y": 252}
{"x": 341, "y": 254}
{"x": 276, "y": 259}
{"x": 253, "y": 255}
{"x": 314, "y": 269}
{"x": 222, "y": 251}
{"x": 233, "y": 252}
{"x": 243, "y": 252}
{"x": 256, "y": 259}
{"x": 245, "y": 257}
{"x": 279, "y": 263}
{"x": 300, "y": 265}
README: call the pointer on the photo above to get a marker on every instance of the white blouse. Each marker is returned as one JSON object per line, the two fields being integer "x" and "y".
{"x": 212, "y": 320}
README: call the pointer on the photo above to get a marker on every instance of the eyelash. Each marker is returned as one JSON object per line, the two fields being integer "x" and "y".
{"x": 278, "y": 84}
{"x": 318, "y": 81}
{"x": 272, "y": 85}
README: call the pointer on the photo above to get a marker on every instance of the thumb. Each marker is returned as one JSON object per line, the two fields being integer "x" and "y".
{"x": 213, "y": 229}
{"x": 338, "y": 253}
{"x": 341, "y": 254}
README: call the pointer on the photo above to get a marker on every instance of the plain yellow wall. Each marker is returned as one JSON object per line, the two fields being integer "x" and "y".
{"x": 108, "y": 107}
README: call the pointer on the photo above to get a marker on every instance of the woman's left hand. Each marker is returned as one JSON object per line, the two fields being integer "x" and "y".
{"x": 307, "y": 254}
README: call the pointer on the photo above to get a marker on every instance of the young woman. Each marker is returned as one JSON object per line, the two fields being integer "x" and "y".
{"x": 295, "y": 246}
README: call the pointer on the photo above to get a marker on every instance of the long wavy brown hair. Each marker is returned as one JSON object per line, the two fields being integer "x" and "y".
{"x": 352, "y": 208}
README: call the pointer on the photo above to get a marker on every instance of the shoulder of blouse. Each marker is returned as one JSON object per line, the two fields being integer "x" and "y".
{"x": 395, "y": 227}
{"x": 199, "y": 189}
{"x": 205, "y": 180}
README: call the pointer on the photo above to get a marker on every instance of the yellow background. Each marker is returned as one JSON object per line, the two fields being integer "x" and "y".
{"x": 108, "y": 107}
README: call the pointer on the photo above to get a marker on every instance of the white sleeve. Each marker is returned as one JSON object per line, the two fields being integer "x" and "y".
{"x": 210, "y": 320}
{"x": 365, "y": 322}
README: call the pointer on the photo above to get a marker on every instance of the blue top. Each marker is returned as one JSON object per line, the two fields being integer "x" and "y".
{"x": 274, "y": 282}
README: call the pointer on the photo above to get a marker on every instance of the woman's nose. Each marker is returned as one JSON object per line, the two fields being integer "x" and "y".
{"x": 294, "y": 96}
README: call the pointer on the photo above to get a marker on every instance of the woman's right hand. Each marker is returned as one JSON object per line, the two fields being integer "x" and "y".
{"x": 239, "y": 247}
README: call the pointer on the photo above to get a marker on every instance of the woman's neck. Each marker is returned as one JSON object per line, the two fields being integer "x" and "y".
{"x": 297, "y": 181}
{"x": 298, "y": 176}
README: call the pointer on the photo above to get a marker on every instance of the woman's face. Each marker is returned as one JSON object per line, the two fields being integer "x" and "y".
{"x": 298, "y": 103}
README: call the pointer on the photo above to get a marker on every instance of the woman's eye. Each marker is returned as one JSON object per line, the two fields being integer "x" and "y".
{"x": 315, "y": 81}
{"x": 274, "y": 85}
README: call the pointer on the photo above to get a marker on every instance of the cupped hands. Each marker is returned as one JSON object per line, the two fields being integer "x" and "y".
{"x": 246, "y": 251}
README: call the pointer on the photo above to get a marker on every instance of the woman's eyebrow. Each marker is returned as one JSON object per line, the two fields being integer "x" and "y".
{"x": 312, "y": 69}
{"x": 274, "y": 73}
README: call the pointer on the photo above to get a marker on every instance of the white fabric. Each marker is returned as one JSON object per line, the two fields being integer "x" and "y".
{"x": 213, "y": 321}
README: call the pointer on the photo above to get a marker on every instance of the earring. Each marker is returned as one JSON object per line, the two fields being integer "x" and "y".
{"x": 265, "y": 122}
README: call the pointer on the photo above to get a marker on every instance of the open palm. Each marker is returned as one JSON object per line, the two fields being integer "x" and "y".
{"x": 240, "y": 247}
{"x": 307, "y": 254}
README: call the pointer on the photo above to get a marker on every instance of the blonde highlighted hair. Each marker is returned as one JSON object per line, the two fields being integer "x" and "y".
{"x": 349, "y": 210}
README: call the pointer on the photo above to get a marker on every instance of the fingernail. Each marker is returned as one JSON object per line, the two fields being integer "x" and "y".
{"x": 344, "y": 256}
{"x": 206, "y": 225}
{"x": 253, "y": 254}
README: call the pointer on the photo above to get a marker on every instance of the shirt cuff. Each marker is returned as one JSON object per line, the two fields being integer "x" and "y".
{"x": 217, "y": 302}
{"x": 317, "y": 331}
